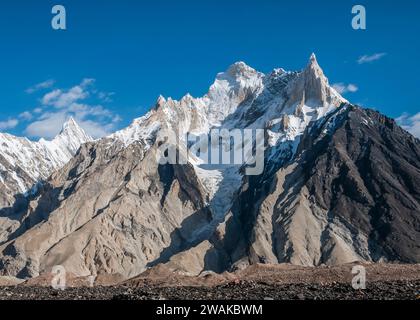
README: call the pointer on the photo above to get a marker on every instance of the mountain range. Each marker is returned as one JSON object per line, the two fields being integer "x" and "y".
{"x": 340, "y": 183}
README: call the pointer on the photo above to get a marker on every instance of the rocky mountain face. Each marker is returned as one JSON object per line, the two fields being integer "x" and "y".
{"x": 340, "y": 183}
{"x": 350, "y": 194}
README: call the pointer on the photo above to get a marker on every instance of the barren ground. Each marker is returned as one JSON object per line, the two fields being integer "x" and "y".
{"x": 383, "y": 281}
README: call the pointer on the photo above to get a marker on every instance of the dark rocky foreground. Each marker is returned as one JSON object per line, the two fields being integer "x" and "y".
{"x": 245, "y": 290}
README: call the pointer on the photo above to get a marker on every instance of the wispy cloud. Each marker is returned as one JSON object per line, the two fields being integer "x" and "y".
{"x": 47, "y": 126}
{"x": 411, "y": 123}
{"x": 105, "y": 96}
{"x": 60, "y": 99}
{"x": 78, "y": 102}
{"x": 40, "y": 86}
{"x": 370, "y": 58}
{"x": 343, "y": 88}
{"x": 26, "y": 116}
{"x": 8, "y": 124}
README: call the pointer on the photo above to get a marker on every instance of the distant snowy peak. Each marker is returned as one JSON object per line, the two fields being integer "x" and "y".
{"x": 30, "y": 161}
{"x": 71, "y": 137}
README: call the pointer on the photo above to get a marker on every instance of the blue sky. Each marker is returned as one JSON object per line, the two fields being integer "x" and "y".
{"x": 116, "y": 57}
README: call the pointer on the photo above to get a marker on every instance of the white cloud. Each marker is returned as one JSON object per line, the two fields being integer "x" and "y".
{"x": 39, "y": 86}
{"x": 83, "y": 110}
{"x": 96, "y": 129}
{"x": 61, "y": 99}
{"x": 8, "y": 124}
{"x": 60, "y": 104}
{"x": 51, "y": 96}
{"x": 87, "y": 81}
{"x": 48, "y": 126}
{"x": 116, "y": 119}
{"x": 343, "y": 88}
{"x": 370, "y": 58}
{"x": 352, "y": 88}
{"x": 26, "y": 116}
{"x": 410, "y": 123}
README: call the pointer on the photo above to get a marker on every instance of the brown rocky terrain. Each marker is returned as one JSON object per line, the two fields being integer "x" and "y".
{"x": 257, "y": 282}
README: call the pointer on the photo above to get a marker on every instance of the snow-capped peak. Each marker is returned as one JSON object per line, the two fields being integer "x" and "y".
{"x": 71, "y": 130}
{"x": 70, "y": 124}
{"x": 312, "y": 58}
{"x": 32, "y": 161}
{"x": 254, "y": 97}
{"x": 71, "y": 136}
{"x": 240, "y": 69}
{"x": 160, "y": 102}
{"x": 238, "y": 75}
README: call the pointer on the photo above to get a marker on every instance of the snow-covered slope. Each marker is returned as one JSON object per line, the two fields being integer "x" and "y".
{"x": 24, "y": 162}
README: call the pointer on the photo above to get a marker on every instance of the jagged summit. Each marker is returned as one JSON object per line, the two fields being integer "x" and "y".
{"x": 312, "y": 58}
{"x": 240, "y": 69}
{"x": 70, "y": 123}
{"x": 237, "y": 75}
{"x": 313, "y": 69}
{"x": 160, "y": 101}
{"x": 226, "y": 97}
{"x": 71, "y": 136}
{"x": 72, "y": 128}
{"x": 312, "y": 87}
